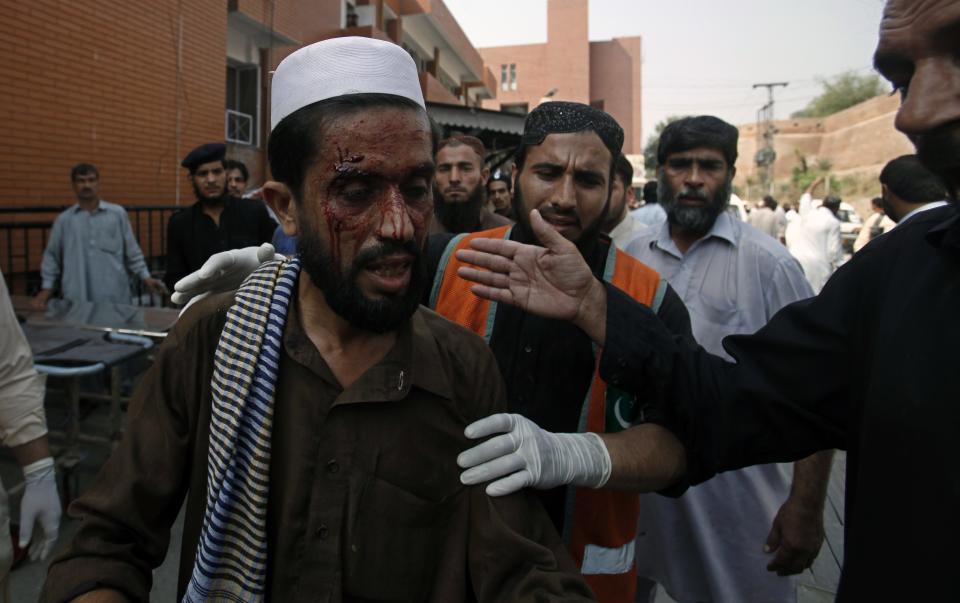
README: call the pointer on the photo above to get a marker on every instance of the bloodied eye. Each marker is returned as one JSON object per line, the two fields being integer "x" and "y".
{"x": 356, "y": 192}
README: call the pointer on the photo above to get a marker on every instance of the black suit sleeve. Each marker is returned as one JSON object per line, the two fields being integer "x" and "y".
{"x": 787, "y": 396}
{"x": 673, "y": 313}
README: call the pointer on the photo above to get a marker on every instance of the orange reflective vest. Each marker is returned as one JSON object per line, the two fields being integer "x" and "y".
{"x": 601, "y": 525}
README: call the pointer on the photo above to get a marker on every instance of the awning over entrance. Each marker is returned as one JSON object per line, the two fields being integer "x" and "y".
{"x": 473, "y": 119}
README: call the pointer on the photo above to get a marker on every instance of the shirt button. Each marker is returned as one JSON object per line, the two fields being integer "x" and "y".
{"x": 333, "y": 467}
{"x": 322, "y": 532}
{"x": 527, "y": 349}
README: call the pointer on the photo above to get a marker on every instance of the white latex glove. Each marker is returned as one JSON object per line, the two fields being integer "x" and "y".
{"x": 224, "y": 271}
{"x": 40, "y": 503}
{"x": 525, "y": 455}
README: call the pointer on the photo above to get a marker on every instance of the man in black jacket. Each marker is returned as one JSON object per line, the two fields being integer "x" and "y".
{"x": 888, "y": 318}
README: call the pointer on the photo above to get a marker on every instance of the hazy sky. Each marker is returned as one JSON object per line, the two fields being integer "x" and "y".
{"x": 702, "y": 56}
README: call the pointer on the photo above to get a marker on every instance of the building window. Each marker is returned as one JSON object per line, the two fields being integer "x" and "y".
{"x": 243, "y": 103}
{"x": 513, "y": 76}
{"x": 517, "y": 108}
{"x": 504, "y": 83}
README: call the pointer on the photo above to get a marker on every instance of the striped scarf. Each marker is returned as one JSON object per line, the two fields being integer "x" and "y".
{"x": 231, "y": 560}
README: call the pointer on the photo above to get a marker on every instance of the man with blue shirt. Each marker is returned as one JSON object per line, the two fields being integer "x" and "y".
{"x": 733, "y": 278}
{"x": 92, "y": 251}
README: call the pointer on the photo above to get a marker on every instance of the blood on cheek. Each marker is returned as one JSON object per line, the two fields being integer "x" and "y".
{"x": 384, "y": 218}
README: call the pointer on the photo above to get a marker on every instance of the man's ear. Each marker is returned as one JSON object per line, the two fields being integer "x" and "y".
{"x": 484, "y": 175}
{"x": 280, "y": 199}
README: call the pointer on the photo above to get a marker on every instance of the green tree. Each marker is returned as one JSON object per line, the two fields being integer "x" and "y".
{"x": 650, "y": 149}
{"x": 842, "y": 92}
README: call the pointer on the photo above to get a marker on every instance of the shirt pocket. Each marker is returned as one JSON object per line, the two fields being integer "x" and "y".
{"x": 393, "y": 548}
{"x": 108, "y": 239}
{"x": 718, "y": 311}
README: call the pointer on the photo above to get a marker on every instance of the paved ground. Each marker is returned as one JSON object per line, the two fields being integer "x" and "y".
{"x": 817, "y": 584}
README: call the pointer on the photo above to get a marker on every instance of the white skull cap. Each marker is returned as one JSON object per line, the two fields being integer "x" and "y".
{"x": 338, "y": 67}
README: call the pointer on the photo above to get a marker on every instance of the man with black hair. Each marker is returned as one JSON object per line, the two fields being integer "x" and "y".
{"x": 764, "y": 217}
{"x": 707, "y": 544}
{"x": 651, "y": 212}
{"x": 563, "y": 169}
{"x": 312, "y": 417}
{"x": 910, "y": 188}
{"x": 218, "y": 221}
{"x": 460, "y": 188}
{"x": 237, "y": 177}
{"x": 499, "y": 191}
{"x": 868, "y": 365}
{"x": 92, "y": 251}
{"x": 875, "y": 225}
{"x": 621, "y": 226}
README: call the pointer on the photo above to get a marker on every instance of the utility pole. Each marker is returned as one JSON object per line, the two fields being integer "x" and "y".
{"x": 767, "y": 155}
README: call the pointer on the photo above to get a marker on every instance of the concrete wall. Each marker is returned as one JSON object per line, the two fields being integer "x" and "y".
{"x": 857, "y": 142}
{"x": 580, "y": 70}
{"x": 533, "y": 80}
{"x": 562, "y": 63}
{"x": 568, "y": 50}
{"x": 101, "y": 82}
{"x": 615, "y": 81}
{"x": 130, "y": 87}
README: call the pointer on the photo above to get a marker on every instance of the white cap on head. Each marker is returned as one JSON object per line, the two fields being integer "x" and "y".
{"x": 338, "y": 67}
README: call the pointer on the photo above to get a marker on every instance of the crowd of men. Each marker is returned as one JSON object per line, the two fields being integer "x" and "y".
{"x": 445, "y": 384}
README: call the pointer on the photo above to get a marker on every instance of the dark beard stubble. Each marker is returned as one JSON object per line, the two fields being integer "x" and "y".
{"x": 344, "y": 296}
{"x": 460, "y": 217}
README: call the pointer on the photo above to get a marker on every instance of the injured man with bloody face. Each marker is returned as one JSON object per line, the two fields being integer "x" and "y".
{"x": 312, "y": 418}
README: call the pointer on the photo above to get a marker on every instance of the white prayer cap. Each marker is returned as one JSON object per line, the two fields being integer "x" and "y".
{"x": 341, "y": 66}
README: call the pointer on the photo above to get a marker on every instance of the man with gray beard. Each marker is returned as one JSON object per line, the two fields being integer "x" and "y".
{"x": 733, "y": 279}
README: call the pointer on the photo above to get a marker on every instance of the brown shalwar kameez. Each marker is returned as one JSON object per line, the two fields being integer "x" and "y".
{"x": 365, "y": 500}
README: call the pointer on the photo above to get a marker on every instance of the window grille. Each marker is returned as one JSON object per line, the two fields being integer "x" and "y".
{"x": 239, "y": 127}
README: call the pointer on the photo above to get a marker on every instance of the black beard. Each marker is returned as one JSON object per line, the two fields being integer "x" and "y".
{"x": 939, "y": 151}
{"x": 588, "y": 234}
{"x": 693, "y": 218}
{"x": 460, "y": 217}
{"x": 210, "y": 201}
{"x": 344, "y": 296}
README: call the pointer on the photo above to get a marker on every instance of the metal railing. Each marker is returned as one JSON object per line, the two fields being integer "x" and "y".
{"x": 24, "y": 232}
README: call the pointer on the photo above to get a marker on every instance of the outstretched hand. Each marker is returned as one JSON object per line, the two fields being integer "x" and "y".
{"x": 553, "y": 281}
